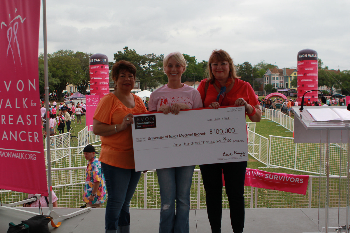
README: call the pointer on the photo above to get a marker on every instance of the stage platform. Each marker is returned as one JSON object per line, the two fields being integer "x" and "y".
{"x": 260, "y": 220}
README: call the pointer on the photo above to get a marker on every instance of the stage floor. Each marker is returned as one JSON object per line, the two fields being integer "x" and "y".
{"x": 260, "y": 220}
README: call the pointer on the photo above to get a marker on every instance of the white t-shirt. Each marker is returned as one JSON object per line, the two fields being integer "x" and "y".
{"x": 168, "y": 96}
{"x": 78, "y": 111}
{"x": 43, "y": 111}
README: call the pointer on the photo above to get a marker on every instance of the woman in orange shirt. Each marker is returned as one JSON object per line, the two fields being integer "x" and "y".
{"x": 112, "y": 121}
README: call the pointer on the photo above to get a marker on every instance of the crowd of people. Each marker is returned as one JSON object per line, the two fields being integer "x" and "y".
{"x": 61, "y": 116}
{"x": 285, "y": 105}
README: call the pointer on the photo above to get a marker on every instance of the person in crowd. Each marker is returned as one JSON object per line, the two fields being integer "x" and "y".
{"x": 222, "y": 73}
{"x": 61, "y": 122}
{"x": 268, "y": 104}
{"x": 43, "y": 111}
{"x": 54, "y": 111}
{"x": 44, "y": 201}
{"x": 67, "y": 117}
{"x": 53, "y": 124}
{"x": 78, "y": 112}
{"x": 289, "y": 107}
{"x": 72, "y": 113}
{"x": 95, "y": 188}
{"x": 175, "y": 183}
{"x": 112, "y": 121}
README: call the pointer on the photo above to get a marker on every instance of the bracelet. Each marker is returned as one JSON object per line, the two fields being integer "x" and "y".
{"x": 115, "y": 129}
{"x": 94, "y": 195}
{"x": 253, "y": 113}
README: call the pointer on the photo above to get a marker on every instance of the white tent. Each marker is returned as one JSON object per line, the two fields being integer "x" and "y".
{"x": 144, "y": 94}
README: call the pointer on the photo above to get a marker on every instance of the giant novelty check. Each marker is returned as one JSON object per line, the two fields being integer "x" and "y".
{"x": 192, "y": 137}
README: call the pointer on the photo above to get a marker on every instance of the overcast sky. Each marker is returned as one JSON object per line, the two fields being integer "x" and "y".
{"x": 273, "y": 31}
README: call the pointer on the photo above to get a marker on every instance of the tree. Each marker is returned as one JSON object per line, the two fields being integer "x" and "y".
{"x": 52, "y": 81}
{"x": 245, "y": 71}
{"x": 344, "y": 77}
{"x": 148, "y": 67}
{"x": 320, "y": 63}
{"x": 83, "y": 74}
{"x": 194, "y": 71}
{"x": 268, "y": 88}
{"x": 265, "y": 66}
{"x": 329, "y": 78}
{"x": 64, "y": 68}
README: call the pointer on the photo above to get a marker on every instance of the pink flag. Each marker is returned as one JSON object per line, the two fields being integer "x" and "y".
{"x": 21, "y": 141}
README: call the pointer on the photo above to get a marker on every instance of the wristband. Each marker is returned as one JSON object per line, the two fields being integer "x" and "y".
{"x": 115, "y": 129}
{"x": 253, "y": 113}
{"x": 94, "y": 195}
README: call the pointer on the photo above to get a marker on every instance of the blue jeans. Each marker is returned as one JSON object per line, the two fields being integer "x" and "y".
{"x": 175, "y": 184}
{"x": 121, "y": 184}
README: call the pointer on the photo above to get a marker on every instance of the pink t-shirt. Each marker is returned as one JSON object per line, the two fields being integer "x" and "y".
{"x": 52, "y": 122}
{"x": 168, "y": 96}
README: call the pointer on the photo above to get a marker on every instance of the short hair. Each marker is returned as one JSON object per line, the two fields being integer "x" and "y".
{"x": 219, "y": 56}
{"x": 178, "y": 57}
{"x": 122, "y": 65}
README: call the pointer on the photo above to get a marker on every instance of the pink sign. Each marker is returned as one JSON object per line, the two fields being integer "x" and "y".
{"x": 307, "y": 75}
{"x": 99, "y": 75}
{"x": 276, "y": 181}
{"x": 91, "y": 104}
{"x": 21, "y": 141}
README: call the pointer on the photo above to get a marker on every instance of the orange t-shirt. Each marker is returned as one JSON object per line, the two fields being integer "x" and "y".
{"x": 117, "y": 149}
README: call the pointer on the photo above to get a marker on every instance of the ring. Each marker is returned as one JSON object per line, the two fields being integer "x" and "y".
{"x": 127, "y": 119}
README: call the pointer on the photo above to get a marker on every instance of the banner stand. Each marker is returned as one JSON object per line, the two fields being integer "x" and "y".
{"x": 51, "y": 212}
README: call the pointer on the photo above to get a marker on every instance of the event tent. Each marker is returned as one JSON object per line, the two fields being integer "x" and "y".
{"x": 76, "y": 95}
{"x": 144, "y": 94}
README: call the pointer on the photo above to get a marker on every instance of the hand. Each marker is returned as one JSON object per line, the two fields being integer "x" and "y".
{"x": 91, "y": 198}
{"x": 214, "y": 105}
{"x": 127, "y": 120}
{"x": 175, "y": 108}
{"x": 165, "y": 109}
{"x": 241, "y": 102}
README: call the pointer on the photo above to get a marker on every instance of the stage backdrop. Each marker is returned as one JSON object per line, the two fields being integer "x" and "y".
{"x": 21, "y": 141}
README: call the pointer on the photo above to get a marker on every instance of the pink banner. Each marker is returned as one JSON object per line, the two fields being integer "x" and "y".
{"x": 276, "y": 181}
{"x": 21, "y": 140}
{"x": 347, "y": 100}
{"x": 91, "y": 104}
